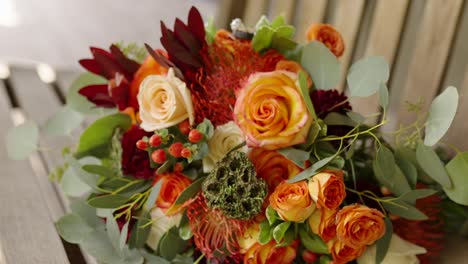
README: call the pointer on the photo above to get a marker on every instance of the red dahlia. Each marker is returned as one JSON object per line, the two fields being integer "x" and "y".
{"x": 135, "y": 162}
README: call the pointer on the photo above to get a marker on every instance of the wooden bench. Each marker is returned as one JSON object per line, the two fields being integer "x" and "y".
{"x": 426, "y": 42}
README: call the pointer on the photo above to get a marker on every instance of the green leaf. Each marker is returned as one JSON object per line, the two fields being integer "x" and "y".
{"x": 309, "y": 172}
{"x": 78, "y": 102}
{"x": 153, "y": 259}
{"x": 86, "y": 212}
{"x": 280, "y": 230}
{"x": 113, "y": 231}
{"x": 210, "y": 30}
{"x": 457, "y": 169}
{"x": 263, "y": 21}
{"x": 441, "y": 114}
{"x": 312, "y": 242}
{"x": 295, "y": 155}
{"x": 206, "y": 128}
{"x": 171, "y": 244}
{"x": 283, "y": 45}
{"x": 285, "y": 32}
{"x": 149, "y": 204}
{"x": 190, "y": 191}
{"x": 383, "y": 95}
{"x": 413, "y": 195}
{"x": 336, "y": 119}
{"x": 266, "y": 233}
{"x": 304, "y": 89}
{"x": 99, "y": 170}
{"x": 278, "y": 22}
{"x": 271, "y": 215}
{"x": 366, "y": 75}
{"x": 123, "y": 236}
{"x": 432, "y": 165}
{"x": 109, "y": 201}
{"x": 403, "y": 209}
{"x": 63, "y": 122}
{"x": 72, "y": 185}
{"x": 72, "y": 228}
{"x": 388, "y": 173}
{"x": 140, "y": 231}
{"x": 384, "y": 243}
{"x": 22, "y": 140}
{"x": 96, "y": 139}
{"x": 262, "y": 38}
{"x": 288, "y": 238}
{"x": 185, "y": 232}
{"x": 356, "y": 117}
{"x": 321, "y": 64}
{"x": 408, "y": 169}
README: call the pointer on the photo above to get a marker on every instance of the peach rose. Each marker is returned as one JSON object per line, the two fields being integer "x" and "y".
{"x": 249, "y": 237}
{"x": 164, "y": 101}
{"x": 273, "y": 167}
{"x": 269, "y": 253}
{"x": 271, "y": 111}
{"x": 358, "y": 225}
{"x": 292, "y": 201}
{"x": 328, "y": 35}
{"x": 342, "y": 253}
{"x": 292, "y": 66}
{"x": 327, "y": 189}
{"x": 323, "y": 223}
{"x": 173, "y": 185}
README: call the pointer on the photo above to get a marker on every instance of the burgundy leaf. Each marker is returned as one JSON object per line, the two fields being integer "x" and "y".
{"x": 163, "y": 61}
{"x": 98, "y": 94}
{"x": 183, "y": 34}
{"x": 90, "y": 65}
{"x": 176, "y": 50}
{"x": 195, "y": 23}
{"x": 119, "y": 91}
{"x": 129, "y": 65}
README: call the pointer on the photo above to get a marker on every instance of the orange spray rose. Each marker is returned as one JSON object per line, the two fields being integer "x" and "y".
{"x": 292, "y": 66}
{"x": 269, "y": 253}
{"x": 323, "y": 223}
{"x": 342, "y": 253}
{"x": 327, "y": 189}
{"x": 328, "y": 35}
{"x": 292, "y": 201}
{"x": 173, "y": 185}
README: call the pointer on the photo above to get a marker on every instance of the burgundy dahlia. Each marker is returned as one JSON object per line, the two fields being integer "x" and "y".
{"x": 326, "y": 102}
{"x": 135, "y": 162}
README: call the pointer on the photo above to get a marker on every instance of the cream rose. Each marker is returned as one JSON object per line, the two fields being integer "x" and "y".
{"x": 161, "y": 224}
{"x": 400, "y": 251}
{"x": 164, "y": 101}
{"x": 225, "y": 138}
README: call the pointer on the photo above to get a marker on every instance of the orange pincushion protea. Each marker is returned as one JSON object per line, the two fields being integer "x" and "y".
{"x": 214, "y": 234}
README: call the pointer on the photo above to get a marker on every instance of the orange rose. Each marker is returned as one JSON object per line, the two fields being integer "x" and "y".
{"x": 342, "y": 253}
{"x": 249, "y": 237}
{"x": 269, "y": 253}
{"x": 273, "y": 167}
{"x": 327, "y": 189}
{"x": 149, "y": 67}
{"x": 271, "y": 111}
{"x": 323, "y": 223}
{"x": 359, "y": 225}
{"x": 292, "y": 66}
{"x": 173, "y": 185}
{"x": 328, "y": 35}
{"x": 292, "y": 201}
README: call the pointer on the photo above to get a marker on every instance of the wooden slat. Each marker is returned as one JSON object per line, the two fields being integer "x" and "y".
{"x": 386, "y": 27}
{"x": 457, "y": 132}
{"x": 431, "y": 50}
{"x": 347, "y": 18}
{"x": 27, "y": 232}
{"x": 253, "y": 10}
{"x": 283, "y": 8}
{"x": 308, "y": 12}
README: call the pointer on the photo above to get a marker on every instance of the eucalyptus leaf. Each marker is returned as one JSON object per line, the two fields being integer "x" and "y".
{"x": 432, "y": 165}
{"x": 108, "y": 201}
{"x": 153, "y": 259}
{"x": 149, "y": 204}
{"x": 280, "y": 230}
{"x": 297, "y": 156}
{"x": 356, "y": 117}
{"x": 185, "y": 232}
{"x": 72, "y": 228}
{"x": 112, "y": 230}
{"x": 190, "y": 191}
{"x": 99, "y": 170}
{"x": 171, "y": 244}
{"x": 140, "y": 231}
{"x": 403, "y": 209}
{"x": 78, "y": 102}
{"x": 388, "y": 173}
{"x": 413, "y": 195}
{"x": 63, "y": 122}
{"x": 123, "y": 236}
{"x": 384, "y": 242}
{"x": 408, "y": 169}
{"x": 336, "y": 119}
{"x": 383, "y": 95}
{"x": 72, "y": 185}
{"x": 321, "y": 64}
{"x": 366, "y": 75}
{"x": 441, "y": 114}
{"x": 457, "y": 169}
{"x": 86, "y": 212}
{"x": 304, "y": 89}
{"x": 309, "y": 172}
{"x": 22, "y": 140}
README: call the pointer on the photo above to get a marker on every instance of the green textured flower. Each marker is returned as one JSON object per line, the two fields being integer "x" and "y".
{"x": 233, "y": 187}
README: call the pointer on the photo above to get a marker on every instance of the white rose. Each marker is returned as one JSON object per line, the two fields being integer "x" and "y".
{"x": 400, "y": 251}
{"x": 225, "y": 138}
{"x": 161, "y": 224}
{"x": 164, "y": 101}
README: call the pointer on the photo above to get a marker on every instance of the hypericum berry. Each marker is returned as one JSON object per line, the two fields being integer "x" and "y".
{"x": 141, "y": 144}
{"x": 184, "y": 127}
{"x": 155, "y": 140}
{"x": 178, "y": 167}
{"x": 186, "y": 153}
{"x": 159, "y": 156}
{"x": 175, "y": 149}
{"x": 309, "y": 256}
{"x": 195, "y": 136}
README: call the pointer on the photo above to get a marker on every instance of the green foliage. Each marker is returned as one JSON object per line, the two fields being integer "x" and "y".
{"x": 133, "y": 51}
{"x": 276, "y": 32}
{"x": 149, "y": 204}
{"x": 383, "y": 95}
{"x": 388, "y": 173}
{"x": 280, "y": 230}
{"x": 457, "y": 169}
{"x": 321, "y": 64}
{"x": 384, "y": 243}
{"x": 140, "y": 231}
{"x": 72, "y": 228}
{"x": 441, "y": 114}
{"x": 108, "y": 201}
{"x": 190, "y": 191}
{"x": 266, "y": 233}
{"x": 210, "y": 30}
{"x": 271, "y": 215}
{"x": 402, "y": 208}
{"x": 366, "y": 76}
{"x": 22, "y": 140}
{"x": 63, "y": 122}
{"x": 413, "y": 195}
{"x": 312, "y": 170}
{"x": 96, "y": 138}
{"x": 72, "y": 185}
{"x": 432, "y": 165}
{"x": 185, "y": 232}
{"x": 171, "y": 244}
{"x": 295, "y": 155}
{"x": 233, "y": 187}
{"x": 79, "y": 103}
{"x": 312, "y": 241}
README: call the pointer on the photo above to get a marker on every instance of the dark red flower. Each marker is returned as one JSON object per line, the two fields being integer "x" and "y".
{"x": 326, "y": 102}
{"x": 135, "y": 162}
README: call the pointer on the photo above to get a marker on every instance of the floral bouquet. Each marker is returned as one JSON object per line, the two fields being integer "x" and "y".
{"x": 233, "y": 147}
